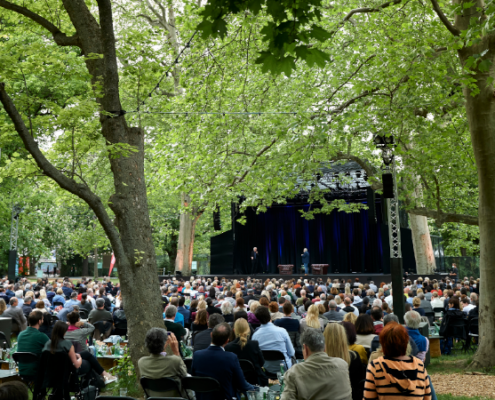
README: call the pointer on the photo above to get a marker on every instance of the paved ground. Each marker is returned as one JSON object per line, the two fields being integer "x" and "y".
{"x": 464, "y": 384}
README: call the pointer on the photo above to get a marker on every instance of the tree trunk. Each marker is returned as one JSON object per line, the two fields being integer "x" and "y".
{"x": 185, "y": 246}
{"x": 423, "y": 250}
{"x": 480, "y": 109}
{"x": 85, "y": 266}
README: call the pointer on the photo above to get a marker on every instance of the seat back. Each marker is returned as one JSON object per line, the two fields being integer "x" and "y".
{"x": 188, "y": 362}
{"x": 103, "y": 329}
{"x": 58, "y": 303}
{"x": 4, "y": 342}
{"x": 456, "y": 327}
{"x": 249, "y": 371}
{"x": 25, "y": 358}
{"x": 273, "y": 355}
{"x": 83, "y": 313}
{"x": 431, "y": 316}
{"x": 159, "y": 385}
{"x": 120, "y": 398}
{"x": 473, "y": 327}
{"x": 295, "y": 337}
{"x": 203, "y": 385}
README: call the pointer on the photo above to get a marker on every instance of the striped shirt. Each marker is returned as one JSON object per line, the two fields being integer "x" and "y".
{"x": 388, "y": 378}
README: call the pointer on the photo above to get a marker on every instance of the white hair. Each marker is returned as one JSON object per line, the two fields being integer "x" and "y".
{"x": 19, "y": 294}
{"x": 377, "y": 303}
{"x": 226, "y": 307}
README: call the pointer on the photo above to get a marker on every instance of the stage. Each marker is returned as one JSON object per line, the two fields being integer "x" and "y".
{"x": 363, "y": 278}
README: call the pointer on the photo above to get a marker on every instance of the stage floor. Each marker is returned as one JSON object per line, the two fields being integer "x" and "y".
{"x": 363, "y": 278}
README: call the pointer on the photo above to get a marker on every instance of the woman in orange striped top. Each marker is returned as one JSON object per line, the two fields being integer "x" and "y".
{"x": 395, "y": 375}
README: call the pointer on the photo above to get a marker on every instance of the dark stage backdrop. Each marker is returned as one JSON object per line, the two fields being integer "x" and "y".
{"x": 347, "y": 242}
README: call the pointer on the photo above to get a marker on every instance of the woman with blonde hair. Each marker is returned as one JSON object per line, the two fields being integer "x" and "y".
{"x": 312, "y": 320}
{"x": 350, "y": 317}
{"x": 3, "y": 306}
{"x": 246, "y": 349}
{"x": 336, "y": 345}
{"x": 44, "y": 298}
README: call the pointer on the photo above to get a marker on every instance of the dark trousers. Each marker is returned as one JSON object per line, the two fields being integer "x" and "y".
{"x": 89, "y": 362}
{"x": 254, "y": 266}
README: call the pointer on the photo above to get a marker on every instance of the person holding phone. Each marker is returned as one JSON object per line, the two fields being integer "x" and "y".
{"x": 164, "y": 361}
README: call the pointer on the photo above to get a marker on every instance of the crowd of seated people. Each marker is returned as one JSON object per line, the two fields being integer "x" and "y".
{"x": 246, "y": 318}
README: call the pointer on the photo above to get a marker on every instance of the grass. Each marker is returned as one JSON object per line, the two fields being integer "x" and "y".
{"x": 451, "y": 397}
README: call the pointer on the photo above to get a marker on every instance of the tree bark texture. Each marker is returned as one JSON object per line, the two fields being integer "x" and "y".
{"x": 85, "y": 266}
{"x": 130, "y": 236}
{"x": 480, "y": 110}
{"x": 423, "y": 250}
{"x": 185, "y": 246}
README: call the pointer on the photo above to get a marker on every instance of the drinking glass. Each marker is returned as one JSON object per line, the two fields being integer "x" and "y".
{"x": 254, "y": 395}
{"x": 280, "y": 378}
{"x": 271, "y": 395}
{"x": 123, "y": 392}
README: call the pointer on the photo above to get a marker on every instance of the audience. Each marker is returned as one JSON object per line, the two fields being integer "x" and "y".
{"x": 159, "y": 364}
{"x": 177, "y": 329}
{"x": 201, "y": 339}
{"x": 350, "y": 331}
{"x": 396, "y": 374}
{"x": 313, "y": 320}
{"x": 336, "y": 345}
{"x": 31, "y": 340}
{"x": 227, "y": 370}
{"x": 365, "y": 331}
{"x": 271, "y": 337}
{"x": 78, "y": 331}
{"x": 17, "y": 316}
{"x": 200, "y": 322}
{"x": 246, "y": 349}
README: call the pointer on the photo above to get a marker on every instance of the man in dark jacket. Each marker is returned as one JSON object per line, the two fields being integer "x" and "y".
{"x": 305, "y": 260}
{"x": 227, "y": 370}
{"x": 210, "y": 309}
{"x": 202, "y": 339}
{"x": 26, "y": 307}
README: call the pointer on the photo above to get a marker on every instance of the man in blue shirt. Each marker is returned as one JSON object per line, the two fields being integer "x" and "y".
{"x": 183, "y": 310}
{"x": 73, "y": 300}
{"x": 271, "y": 337}
{"x": 67, "y": 290}
{"x": 59, "y": 297}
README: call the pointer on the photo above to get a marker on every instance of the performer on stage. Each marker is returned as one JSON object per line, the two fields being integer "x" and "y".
{"x": 254, "y": 260}
{"x": 305, "y": 260}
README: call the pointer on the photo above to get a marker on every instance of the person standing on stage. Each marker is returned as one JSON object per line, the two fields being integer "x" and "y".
{"x": 254, "y": 260}
{"x": 305, "y": 260}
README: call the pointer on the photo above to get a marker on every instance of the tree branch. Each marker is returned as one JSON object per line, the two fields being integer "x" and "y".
{"x": 441, "y": 217}
{"x": 258, "y": 155}
{"x": 452, "y": 29}
{"x": 80, "y": 190}
{"x": 60, "y": 38}
{"x": 370, "y": 9}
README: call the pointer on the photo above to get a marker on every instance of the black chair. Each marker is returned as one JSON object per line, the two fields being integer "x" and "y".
{"x": 103, "y": 329}
{"x": 438, "y": 310}
{"x": 295, "y": 337}
{"x": 473, "y": 332}
{"x": 368, "y": 352}
{"x": 83, "y": 313}
{"x": 249, "y": 371}
{"x": 159, "y": 385}
{"x": 273, "y": 355}
{"x": 120, "y": 328}
{"x": 4, "y": 342}
{"x": 117, "y": 398}
{"x": 188, "y": 362}
{"x": 431, "y": 316}
{"x": 203, "y": 385}
{"x": 26, "y": 358}
{"x": 58, "y": 303}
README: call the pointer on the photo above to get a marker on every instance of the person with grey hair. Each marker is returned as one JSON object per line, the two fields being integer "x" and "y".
{"x": 425, "y": 304}
{"x": 164, "y": 361}
{"x": 227, "y": 308}
{"x": 334, "y": 314}
{"x": 413, "y": 320}
{"x": 19, "y": 294}
{"x": 26, "y": 307}
{"x": 173, "y": 326}
{"x": 320, "y": 376}
{"x": 17, "y": 316}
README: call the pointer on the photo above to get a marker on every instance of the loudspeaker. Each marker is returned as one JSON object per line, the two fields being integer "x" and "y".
{"x": 12, "y": 264}
{"x": 370, "y": 199}
{"x": 217, "y": 225}
{"x": 388, "y": 186}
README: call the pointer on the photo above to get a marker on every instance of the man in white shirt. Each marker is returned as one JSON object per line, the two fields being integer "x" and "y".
{"x": 390, "y": 299}
{"x": 466, "y": 305}
{"x": 373, "y": 286}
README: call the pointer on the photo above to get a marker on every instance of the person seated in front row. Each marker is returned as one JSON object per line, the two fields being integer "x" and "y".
{"x": 164, "y": 360}
{"x": 320, "y": 376}
{"x": 216, "y": 363}
{"x": 83, "y": 362}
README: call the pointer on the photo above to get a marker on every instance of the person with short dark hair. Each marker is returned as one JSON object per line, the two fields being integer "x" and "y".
{"x": 227, "y": 370}
{"x": 271, "y": 337}
{"x": 31, "y": 340}
{"x": 364, "y": 330}
{"x": 181, "y": 309}
{"x": 14, "y": 390}
{"x": 382, "y": 375}
{"x": 287, "y": 322}
{"x": 164, "y": 360}
{"x": 202, "y": 339}
{"x": 377, "y": 317}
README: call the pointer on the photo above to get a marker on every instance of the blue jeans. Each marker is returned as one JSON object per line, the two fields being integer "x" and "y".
{"x": 306, "y": 268}
{"x": 433, "y": 394}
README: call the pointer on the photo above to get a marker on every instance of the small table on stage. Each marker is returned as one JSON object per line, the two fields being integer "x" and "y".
{"x": 286, "y": 269}
{"x": 319, "y": 269}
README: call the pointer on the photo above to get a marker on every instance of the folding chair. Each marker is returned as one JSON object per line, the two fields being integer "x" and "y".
{"x": 249, "y": 371}
{"x": 116, "y": 398}
{"x": 83, "y": 313}
{"x": 159, "y": 385}
{"x": 203, "y": 385}
{"x": 26, "y": 358}
{"x": 473, "y": 332}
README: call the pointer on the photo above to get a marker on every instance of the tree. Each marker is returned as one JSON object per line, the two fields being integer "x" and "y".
{"x": 74, "y": 26}
{"x": 288, "y": 35}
